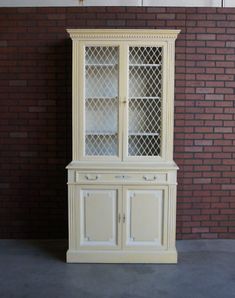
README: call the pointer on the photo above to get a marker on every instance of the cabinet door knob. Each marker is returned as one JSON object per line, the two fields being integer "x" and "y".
{"x": 124, "y": 218}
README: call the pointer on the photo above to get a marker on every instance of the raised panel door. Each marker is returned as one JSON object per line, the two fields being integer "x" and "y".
{"x": 144, "y": 217}
{"x": 99, "y": 209}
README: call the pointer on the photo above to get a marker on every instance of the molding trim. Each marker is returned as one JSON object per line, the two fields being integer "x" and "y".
{"x": 119, "y": 34}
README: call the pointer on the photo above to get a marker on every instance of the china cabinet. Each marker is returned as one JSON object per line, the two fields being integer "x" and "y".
{"x": 122, "y": 179}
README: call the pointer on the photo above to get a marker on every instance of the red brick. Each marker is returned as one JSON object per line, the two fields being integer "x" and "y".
{"x": 205, "y": 90}
{"x": 209, "y": 236}
{"x": 196, "y": 43}
{"x": 225, "y": 24}
{"x": 218, "y": 17}
{"x": 210, "y": 211}
{"x": 215, "y": 70}
{"x": 202, "y": 180}
{"x": 200, "y": 230}
{"x": 229, "y": 64}
{"x": 216, "y": 44}
{"x": 206, "y": 36}
{"x": 56, "y": 16}
{"x": 209, "y": 223}
{"x": 205, "y": 77}
{"x": 157, "y": 10}
{"x": 200, "y": 217}
{"x": 214, "y": 97}
{"x": 191, "y": 224}
{"x": 225, "y": 51}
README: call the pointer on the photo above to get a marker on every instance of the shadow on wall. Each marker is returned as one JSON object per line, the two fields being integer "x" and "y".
{"x": 37, "y": 146}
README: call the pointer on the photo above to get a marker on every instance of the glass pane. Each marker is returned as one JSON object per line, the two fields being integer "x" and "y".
{"x": 145, "y": 92}
{"x": 101, "y": 101}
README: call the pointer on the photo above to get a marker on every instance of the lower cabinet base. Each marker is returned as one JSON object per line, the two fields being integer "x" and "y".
{"x": 166, "y": 256}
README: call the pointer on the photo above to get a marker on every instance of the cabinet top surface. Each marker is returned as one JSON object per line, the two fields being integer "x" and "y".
{"x": 122, "y": 166}
{"x": 123, "y": 33}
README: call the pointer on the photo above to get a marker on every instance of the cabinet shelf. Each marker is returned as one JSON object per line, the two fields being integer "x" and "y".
{"x": 145, "y": 65}
{"x": 102, "y": 98}
{"x": 101, "y": 134}
{"x": 101, "y": 65}
{"x": 144, "y": 97}
{"x": 143, "y": 134}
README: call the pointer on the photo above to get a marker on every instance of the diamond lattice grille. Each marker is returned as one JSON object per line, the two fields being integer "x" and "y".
{"x": 101, "y": 107}
{"x": 144, "y": 145}
{"x": 101, "y": 55}
{"x": 145, "y": 91}
{"x": 144, "y": 115}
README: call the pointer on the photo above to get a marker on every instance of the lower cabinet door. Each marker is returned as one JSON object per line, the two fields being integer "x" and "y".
{"x": 99, "y": 217}
{"x": 144, "y": 217}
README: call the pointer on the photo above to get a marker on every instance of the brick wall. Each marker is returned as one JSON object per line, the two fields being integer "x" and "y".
{"x": 35, "y": 115}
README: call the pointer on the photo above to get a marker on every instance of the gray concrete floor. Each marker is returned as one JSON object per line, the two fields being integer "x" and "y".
{"x": 36, "y": 269}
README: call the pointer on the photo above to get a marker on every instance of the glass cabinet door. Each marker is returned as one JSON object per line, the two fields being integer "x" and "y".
{"x": 144, "y": 101}
{"x": 101, "y": 100}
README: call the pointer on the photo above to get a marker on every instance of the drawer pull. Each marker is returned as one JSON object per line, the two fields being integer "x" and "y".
{"x": 146, "y": 178}
{"x": 91, "y": 177}
{"x": 122, "y": 177}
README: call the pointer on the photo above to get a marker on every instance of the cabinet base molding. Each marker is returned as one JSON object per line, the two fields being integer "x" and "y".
{"x": 167, "y": 256}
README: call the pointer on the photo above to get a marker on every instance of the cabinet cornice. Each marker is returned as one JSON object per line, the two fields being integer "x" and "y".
{"x": 122, "y": 34}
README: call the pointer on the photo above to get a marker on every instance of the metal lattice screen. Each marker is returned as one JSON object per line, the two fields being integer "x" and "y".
{"x": 145, "y": 92}
{"x": 101, "y": 104}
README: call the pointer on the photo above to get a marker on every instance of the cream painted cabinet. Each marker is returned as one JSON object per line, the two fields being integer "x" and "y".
{"x": 122, "y": 179}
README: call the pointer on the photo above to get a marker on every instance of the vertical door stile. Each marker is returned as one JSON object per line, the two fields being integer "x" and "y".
{"x": 123, "y": 98}
{"x": 119, "y": 216}
{"x": 124, "y": 212}
{"x": 121, "y": 92}
{"x": 165, "y": 144}
{"x": 79, "y": 100}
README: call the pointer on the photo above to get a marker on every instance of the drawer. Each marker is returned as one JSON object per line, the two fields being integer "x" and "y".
{"x": 120, "y": 178}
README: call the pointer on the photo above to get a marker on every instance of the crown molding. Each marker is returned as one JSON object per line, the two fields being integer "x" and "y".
{"x": 118, "y": 34}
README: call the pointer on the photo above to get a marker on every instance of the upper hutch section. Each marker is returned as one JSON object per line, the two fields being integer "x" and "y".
{"x": 123, "y": 95}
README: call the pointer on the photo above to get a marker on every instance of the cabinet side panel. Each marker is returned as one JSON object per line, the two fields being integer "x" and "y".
{"x": 73, "y": 217}
{"x": 171, "y": 227}
{"x": 169, "y": 119}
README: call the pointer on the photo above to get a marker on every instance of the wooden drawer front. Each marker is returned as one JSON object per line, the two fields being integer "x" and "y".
{"x": 120, "y": 178}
